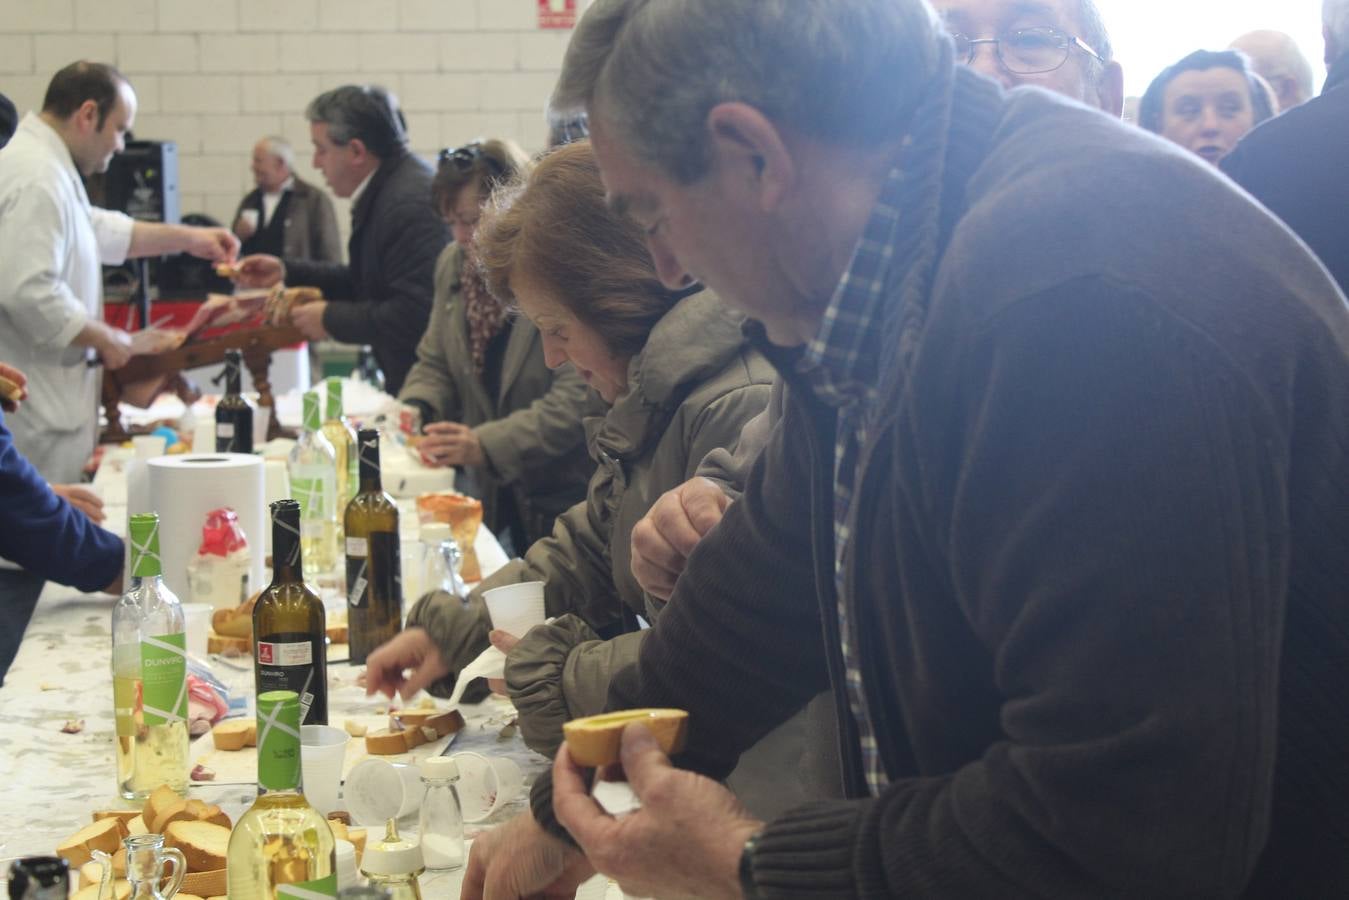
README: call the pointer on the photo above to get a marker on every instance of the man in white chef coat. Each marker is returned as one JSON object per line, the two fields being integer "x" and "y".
{"x": 52, "y": 242}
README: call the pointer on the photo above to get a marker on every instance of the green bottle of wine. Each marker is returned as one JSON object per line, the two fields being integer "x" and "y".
{"x": 289, "y": 624}
{"x": 374, "y": 580}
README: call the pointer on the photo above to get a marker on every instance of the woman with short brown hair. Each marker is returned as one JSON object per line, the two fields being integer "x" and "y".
{"x": 680, "y": 379}
{"x": 488, "y": 400}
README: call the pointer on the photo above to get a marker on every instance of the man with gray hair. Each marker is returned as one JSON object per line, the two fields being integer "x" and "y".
{"x": 1060, "y": 45}
{"x": 1294, "y": 163}
{"x": 1056, "y": 512}
{"x": 1276, "y": 57}
{"x": 383, "y": 296}
{"x": 285, "y": 215}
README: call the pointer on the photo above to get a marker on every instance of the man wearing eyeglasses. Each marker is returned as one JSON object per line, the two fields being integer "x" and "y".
{"x": 1059, "y": 45}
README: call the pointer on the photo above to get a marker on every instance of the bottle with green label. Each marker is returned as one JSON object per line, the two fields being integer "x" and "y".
{"x": 282, "y": 847}
{"x": 374, "y": 582}
{"x": 339, "y": 433}
{"x": 149, "y": 673}
{"x": 313, "y": 482}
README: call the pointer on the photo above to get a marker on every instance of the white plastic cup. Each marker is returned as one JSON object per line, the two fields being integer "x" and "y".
{"x": 322, "y": 751}
{"x": 262, "y": 418}
{"x": 516, "y": 608}
{"x": 486, "y": 784}
{"x": 203, "y": 435}
{"x": 148, "y": 446}
{"x": 197, "y": 624}
{"x": 378, "y": 790}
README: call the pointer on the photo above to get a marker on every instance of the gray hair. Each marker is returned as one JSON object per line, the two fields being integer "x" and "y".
{"x": 848, "y": 71}
{"x": 1335, "y": 16}
{"x": 280, "y": 148}
{"x": 364, "y": 112}
{"x": 1094, "y": 33}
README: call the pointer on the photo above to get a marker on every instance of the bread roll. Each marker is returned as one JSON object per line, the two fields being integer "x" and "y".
{"x": 235, "y": 734}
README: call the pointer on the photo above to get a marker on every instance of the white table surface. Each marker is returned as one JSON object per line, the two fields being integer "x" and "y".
{"x": 52, "y": 781}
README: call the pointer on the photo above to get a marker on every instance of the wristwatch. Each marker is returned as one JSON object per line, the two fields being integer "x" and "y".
{"x": 748, "y": 888}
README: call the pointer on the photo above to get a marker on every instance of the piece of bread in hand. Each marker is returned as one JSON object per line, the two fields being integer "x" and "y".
{"x": 10, "y": 390}
{"x": 228, "y": 270}
{"x": 595, "y": 740}
{"x": 204, "y": 844}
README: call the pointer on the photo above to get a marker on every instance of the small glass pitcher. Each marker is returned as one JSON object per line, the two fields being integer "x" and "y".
{"x": 146, "y": 858}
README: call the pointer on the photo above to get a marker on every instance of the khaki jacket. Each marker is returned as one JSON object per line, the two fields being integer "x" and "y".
{"x": 692, "y": 388}
{"x": 531, "y": 431}
{"x": 311, "y": 224}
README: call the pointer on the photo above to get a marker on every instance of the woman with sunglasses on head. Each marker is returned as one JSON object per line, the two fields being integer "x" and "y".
{"x": 680, "y": 379}
{"x": 489, "y": 402}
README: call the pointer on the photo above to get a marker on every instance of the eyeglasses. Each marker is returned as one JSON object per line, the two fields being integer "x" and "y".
{"x": 1026, "y": 51}
{"x": 466, "y": 157}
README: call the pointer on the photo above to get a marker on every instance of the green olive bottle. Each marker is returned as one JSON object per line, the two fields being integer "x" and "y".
{"x": 289, "y": 624}
{"x": 374, "y": 577}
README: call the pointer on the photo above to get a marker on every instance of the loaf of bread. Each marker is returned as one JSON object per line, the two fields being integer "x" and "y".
{"x": 205, "y": 845}
{"x": 229, "y": 646}
{"x": 105, "y": 835}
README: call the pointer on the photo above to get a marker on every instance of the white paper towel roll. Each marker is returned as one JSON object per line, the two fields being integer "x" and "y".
{"x": 183, "y": 489}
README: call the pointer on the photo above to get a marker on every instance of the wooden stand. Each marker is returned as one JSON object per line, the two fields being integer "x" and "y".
{"x": 255, "y": 343}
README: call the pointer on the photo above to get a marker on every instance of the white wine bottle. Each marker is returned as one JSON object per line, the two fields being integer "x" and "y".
{"x": 290, "y": 625}
{"x": 374, "y": 583}
{"x": 313, "y": 482}
{"x": 149, "y": 673}
{"x": 339, "y": 433}
{"x": 282, "y": 847}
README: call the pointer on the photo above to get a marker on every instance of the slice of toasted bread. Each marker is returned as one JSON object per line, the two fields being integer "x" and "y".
{"x": 205, "y": 845}
{"x": 105, "y": 835}
{"x": 208, "y": 812}
{"x": 10, "y": 390}
{"x": 235, "y": 734}
{"x": 160, "y": 799}
{"x": 595, "y": 740}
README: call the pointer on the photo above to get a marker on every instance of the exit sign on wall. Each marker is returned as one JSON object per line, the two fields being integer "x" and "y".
{"x": 557, "y": 13}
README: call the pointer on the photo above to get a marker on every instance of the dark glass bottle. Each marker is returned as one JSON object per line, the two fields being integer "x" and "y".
{"x": 374, "y": 578}
{"x": 233, "y": 414}
{"x": 289, "y": 624}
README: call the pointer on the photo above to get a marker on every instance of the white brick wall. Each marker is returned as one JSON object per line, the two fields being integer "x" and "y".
{"x": 215, "y": 75}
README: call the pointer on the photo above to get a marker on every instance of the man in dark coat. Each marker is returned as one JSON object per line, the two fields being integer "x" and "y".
{"x": 382, "y": 297}
{"x": 1294, "y": 164}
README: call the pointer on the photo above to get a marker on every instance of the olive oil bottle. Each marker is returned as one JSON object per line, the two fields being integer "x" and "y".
{"x": 289, "y": 624}
{"x": 281, "y": 847}
{"x": 374, "y": 582}
{"x": 149, "y": 673}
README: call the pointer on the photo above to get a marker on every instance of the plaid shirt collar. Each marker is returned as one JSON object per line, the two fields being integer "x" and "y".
{"x": 840, "y": 362}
